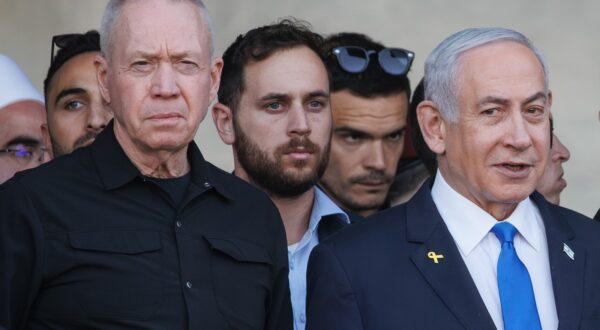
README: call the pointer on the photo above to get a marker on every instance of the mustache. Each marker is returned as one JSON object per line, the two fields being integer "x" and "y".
{"x": 89, "y": 136}
{"x": 298, "y": 143}
{"x": 378, "y": 176}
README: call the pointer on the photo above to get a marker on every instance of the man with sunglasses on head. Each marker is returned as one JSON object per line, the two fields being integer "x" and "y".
{"x": 138, "y": 230}
{"x": 369, "y": 102}
{"x": 274, "y": 111}
{"x": 75, "y": 110}
{"x": 21, "y": 119}
{"x": 476, "y": 247}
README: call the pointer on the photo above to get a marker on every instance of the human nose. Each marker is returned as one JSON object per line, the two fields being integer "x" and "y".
{"x": 98, "y": 117}
{"x": 560, "y": 152}
{"x": 164, "y": 82}
{"x": 376, "y": 158}
{"x": 299, "y": 123}
{"x": 519, "y": 136}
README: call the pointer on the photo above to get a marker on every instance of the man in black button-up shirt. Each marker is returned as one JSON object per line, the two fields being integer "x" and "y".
{"x": 103, "y": 238}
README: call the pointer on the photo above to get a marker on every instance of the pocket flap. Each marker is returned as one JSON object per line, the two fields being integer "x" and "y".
{"x": 240, "y": 250}
{"x": 126, "y": 242}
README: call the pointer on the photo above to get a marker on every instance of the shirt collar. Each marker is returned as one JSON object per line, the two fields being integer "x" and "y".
{"x": 469, "y": 224}
{"x": 116, "y": 169}
{"x": 323, "y": 206}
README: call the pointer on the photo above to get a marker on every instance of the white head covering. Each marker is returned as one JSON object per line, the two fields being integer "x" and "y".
{"x": 14, "y": 84}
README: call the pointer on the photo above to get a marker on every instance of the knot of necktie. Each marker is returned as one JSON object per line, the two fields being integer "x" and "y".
{"x": 504, "y": 231}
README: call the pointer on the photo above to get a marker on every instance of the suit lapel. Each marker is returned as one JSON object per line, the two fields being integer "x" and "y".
{"x": 449, "y": 278}
{"x": 567, "y": 274}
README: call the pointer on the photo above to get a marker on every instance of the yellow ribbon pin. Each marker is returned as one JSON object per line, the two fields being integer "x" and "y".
{"x": 434, "y": 257}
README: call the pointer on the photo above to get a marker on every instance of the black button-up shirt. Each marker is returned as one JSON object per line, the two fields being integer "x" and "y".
{"x": 86, "y": 242}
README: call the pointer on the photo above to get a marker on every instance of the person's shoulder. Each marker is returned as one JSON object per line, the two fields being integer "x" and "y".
{"x": 371, "y": 232}
{"x": 584, "y": 227}
{"x": 242, "y": 193}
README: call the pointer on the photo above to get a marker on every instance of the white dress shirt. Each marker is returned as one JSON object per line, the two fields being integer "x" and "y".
{"x": 470, "y": 227}
{"x": 299, "y": 252}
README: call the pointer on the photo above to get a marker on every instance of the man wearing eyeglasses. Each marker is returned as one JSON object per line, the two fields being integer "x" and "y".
{"x": 274, "y": 110}
{"x": 138, "y": 230}
{"x": 369, "y": 101}
{"x": 476, "y": 247}
{"x": 75, "y": 109}
{"x": 21, "y": 119}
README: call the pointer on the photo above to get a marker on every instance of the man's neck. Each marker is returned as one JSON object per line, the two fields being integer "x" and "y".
{"x": 163, "y": 164}
{"x": 295, "y": 213}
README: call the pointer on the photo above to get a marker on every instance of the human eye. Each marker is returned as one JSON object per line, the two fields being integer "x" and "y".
{"x": 186, "y": 66}
{"x": 316, "y": 104}
{"x": 490, "y": 112}
{"x": 142, "y": 65}
{"x": 535, "y": 110}
{"x": 396, "y": 136}
{"x": 274, "y": 106}
{"x": 351, "y": 137}
{"x": 22, "y": 151}
{"x": 74, "y": 105}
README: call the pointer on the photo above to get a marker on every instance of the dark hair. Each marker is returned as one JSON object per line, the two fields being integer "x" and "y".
{"x": 78, "y": 44}
{"x": 427, "y": 156}
{"x": 369, "y": 83}
{"x": 257, "y": 45}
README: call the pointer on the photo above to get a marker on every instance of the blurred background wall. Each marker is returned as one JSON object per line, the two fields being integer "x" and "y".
{"x": 565, "y": 31}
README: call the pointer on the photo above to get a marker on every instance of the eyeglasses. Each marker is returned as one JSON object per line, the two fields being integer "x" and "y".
{"x": 394, "y": 61}
{"x": 61, "y": 41}
{"x": 25, "y": 154}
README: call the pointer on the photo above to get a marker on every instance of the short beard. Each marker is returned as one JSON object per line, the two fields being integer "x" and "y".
{"x": 270, "y": 175}
{"x": 59, "y": 150}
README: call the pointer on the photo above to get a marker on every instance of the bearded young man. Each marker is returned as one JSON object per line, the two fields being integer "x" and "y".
{"x": 274, "y": 110}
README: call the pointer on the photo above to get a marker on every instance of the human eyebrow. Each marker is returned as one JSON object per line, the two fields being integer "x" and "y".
{"x": 351, "y": 130}
{"x": 23, "y": 139}
{"x": 275, "y": 97}
{"x": 67, "y": 92}
{"x": 535, "y": 97}
{"x": 399, "y": 131}
{"x": 319, "y": 93}
{"x": 493, "y": 100}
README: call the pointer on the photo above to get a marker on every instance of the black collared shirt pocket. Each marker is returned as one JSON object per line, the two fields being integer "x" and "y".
{"x": 240, "y": 272}
{"x": 120, "y": 273}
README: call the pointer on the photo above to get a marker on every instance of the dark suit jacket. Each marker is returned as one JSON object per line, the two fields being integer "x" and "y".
{"x": 376, "y": 274}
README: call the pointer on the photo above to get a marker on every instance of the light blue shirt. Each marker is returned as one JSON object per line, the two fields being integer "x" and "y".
{"x": 298, "y": 254}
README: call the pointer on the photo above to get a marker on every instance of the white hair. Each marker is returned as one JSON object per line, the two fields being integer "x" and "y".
{"x": 441, "y": 66}
{"x": 113, "y": 11}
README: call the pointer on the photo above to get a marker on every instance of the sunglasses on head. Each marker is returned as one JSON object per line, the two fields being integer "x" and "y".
{"x": 61, "y": 41}
{"x": 354, "y": 59}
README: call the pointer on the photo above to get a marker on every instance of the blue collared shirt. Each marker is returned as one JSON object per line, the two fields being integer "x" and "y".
{"x": 298, "y": 254}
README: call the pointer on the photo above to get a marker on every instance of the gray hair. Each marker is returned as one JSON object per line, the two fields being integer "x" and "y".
{"x": 113, "y": 11}
{"x": 441, "y": 66}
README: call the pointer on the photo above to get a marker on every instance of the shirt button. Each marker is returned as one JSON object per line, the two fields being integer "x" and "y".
{"x": 291, "y": 266}
{"x": 206, "y": 185}
{"x": 188, "y": 284}
{"x": 178, "y": 224}
{"x": 302, "y": 318}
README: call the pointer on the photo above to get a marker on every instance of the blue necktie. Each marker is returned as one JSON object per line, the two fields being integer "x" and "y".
{"x": 514, "y": 284}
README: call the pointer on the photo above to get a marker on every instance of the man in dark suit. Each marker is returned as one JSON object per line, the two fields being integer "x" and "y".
{"x": 476, "y": 248}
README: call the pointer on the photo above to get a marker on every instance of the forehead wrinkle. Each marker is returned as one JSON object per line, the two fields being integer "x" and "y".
{"x": 359, "y": 114}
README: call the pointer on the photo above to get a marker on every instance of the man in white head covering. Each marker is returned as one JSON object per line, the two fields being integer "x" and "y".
{"x": 21, "y": 117}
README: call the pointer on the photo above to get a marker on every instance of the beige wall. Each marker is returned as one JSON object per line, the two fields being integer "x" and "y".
{"x": 566, "y": 31}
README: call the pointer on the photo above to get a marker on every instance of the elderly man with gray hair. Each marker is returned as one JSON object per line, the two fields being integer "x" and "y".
{"x": 476, "y": 247}
{"x": 21, "y": 118}
{"x": 137, "y": 230}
